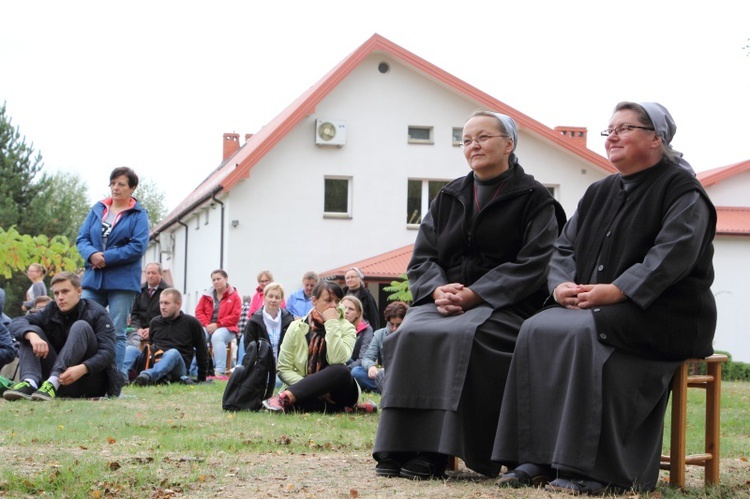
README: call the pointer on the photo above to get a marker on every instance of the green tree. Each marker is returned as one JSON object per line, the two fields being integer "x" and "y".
{"x": 19, "y": 169}
{"x": 61, "y": 208}
{"x": 18, "y": 250}
{"x": 151, "y": 197}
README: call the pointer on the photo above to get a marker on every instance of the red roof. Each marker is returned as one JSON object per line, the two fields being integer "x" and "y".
{"x": 716, "y": 175}
{"x": 385, "y": 268}
{"x": 732, "y": 221}
{"x": 238, "y": 166}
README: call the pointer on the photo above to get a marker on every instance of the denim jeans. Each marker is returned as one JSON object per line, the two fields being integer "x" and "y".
{"x": 119, "y": 303}
{"x": 365, "y": 383}
{"x": 219, "y": 341}
{"x": 171, "y": 364}
{"x": 131, "y": 357}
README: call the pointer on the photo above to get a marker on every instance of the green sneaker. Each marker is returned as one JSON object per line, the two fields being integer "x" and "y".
{"x": 45, "y": 392}
{"x": 5, "y": 384}
{"x": 22, "y": 390}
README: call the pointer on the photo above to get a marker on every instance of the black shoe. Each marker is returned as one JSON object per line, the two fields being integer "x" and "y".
{"x": 389, "y": 463}
{"x": 22, "y": 390}
{"x": 142, "y": 379}
{"x": 527, "y": 475}
{"x": 425, "y": 466}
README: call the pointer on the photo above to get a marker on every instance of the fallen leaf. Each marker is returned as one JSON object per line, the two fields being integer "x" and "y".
{"x": 353, "y": 493}
{"x": 114, "y": 465}
{"x": 111, "y": 440}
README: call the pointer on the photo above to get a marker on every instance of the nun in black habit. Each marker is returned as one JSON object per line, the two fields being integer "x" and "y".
{"x": 631, "y": 275}
{"x": 478, "y": 270}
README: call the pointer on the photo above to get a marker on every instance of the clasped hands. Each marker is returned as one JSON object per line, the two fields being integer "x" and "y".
{"x": 454, "y": 299}
{"x": 97, "y": 260}
{"x": 581, "y": 296}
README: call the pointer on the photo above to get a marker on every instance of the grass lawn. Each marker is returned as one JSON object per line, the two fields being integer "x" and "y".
{"x": 175, "y": 441}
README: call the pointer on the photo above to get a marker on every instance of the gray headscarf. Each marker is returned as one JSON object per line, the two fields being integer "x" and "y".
{"x": 665, "y": 128}
{"x": 510, "y": 128}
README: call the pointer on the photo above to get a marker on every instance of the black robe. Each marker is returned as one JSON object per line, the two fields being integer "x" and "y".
{"x": 445, "y": 375}
{"x": 587, "y": 389}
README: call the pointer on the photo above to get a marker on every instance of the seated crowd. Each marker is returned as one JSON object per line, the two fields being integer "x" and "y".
{"x": 622, "y": 287}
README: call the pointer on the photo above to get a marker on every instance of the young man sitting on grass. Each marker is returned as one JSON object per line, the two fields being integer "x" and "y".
{"x": 70, "y": 343}
{"x": 179, "y": 336}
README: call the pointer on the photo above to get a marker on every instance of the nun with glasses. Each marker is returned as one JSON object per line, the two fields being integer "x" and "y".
{"x": 631, "y": 276}
{"x": 478, "y": 270}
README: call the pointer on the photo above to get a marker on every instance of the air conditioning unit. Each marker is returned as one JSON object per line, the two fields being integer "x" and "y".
{"x": 330, "y": 133}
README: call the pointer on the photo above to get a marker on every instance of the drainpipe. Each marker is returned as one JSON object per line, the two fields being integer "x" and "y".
{"x": 221, "y": 237}
{"x": 184, "y": 280}
{"x": 157, "y": 240}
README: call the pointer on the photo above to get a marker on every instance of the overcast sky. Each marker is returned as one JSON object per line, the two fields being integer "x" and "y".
{"x": 154, "y": 84}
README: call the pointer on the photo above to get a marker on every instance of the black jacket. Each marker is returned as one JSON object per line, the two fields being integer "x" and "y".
{"x": 146, "y": 307}
{"x": 55, "y": 326}
{"x": 370, "y": 311}
{"x": 183, "y": 333}
{"x": 256, "y": 328}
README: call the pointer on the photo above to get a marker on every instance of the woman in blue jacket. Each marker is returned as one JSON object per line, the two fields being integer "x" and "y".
{"x": 112, "y": 241}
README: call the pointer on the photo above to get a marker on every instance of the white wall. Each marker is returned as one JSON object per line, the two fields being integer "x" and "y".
{"x": 732, "y": 191}
{"x": 730, "y": 284}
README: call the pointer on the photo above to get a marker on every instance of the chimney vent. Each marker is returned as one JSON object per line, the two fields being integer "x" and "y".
{"x": 575, "y": 134}
{"x": 231, "y": 144}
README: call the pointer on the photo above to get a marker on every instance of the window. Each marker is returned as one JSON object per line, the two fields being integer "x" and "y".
{"x": 419, "y": 196}
{"x": 458, "y": 134}
{"x": 337, "y": 200}
{"x": 420, "y": 135}
{"x": 552, "y": 190}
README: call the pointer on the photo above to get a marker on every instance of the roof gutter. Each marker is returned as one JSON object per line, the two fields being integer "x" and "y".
{"x": 177, "y": 219}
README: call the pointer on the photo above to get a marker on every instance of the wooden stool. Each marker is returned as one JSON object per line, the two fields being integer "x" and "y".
{"x": 711, "y": 382}
{"x": 230, "y": 356}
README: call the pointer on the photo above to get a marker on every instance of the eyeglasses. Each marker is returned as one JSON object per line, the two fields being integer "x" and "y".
{"x": 479, "y": 140}
{"x": 623, "y": 130}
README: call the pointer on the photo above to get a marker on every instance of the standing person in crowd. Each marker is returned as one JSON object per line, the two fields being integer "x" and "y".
{"x": 355, "y": 286}
{"x": 312, "y": 359}
{"x": 70, "y": 344}
{"x": 180, "y": 336}
{"x": 371, "y": 372}
{"x": 265, "y": 277}
{"x": 35, "y": 273}
{"x": 270, "y": 322}
{"x": 300, "y": 302}
{"x": 631, "y": 276}
{"x": 112, "y": 241}
{"x": 218, "y": 310}
{"x": 477, "y": 272}
{"x": 353, "y": 313}
{"x": 145, "y": 308}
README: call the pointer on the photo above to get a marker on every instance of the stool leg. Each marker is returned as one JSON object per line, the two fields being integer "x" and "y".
{"x": 677, "y": 447}
{"x": 713, "y": 417}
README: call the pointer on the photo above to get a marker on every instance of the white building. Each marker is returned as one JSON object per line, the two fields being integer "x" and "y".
{"x": 345, "y": 172}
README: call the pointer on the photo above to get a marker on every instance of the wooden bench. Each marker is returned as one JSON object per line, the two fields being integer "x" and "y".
{"x": 677, "y": 459}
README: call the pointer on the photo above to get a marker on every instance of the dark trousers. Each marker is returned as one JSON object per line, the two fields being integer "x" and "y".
{"x": 336, "y": 381}
{"x": 80, "y": 345}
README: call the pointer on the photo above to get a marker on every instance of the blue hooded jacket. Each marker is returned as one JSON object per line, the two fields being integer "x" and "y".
{"x": 126, "y": 246}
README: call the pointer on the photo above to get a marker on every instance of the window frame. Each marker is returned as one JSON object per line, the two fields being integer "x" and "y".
{"x": 424, "y": 197}
{"x": 430, "y": 133}
{"x": 349, "y": 196}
